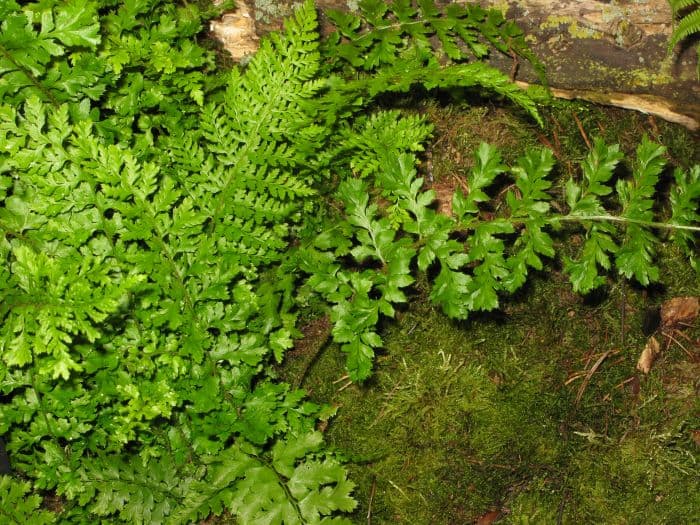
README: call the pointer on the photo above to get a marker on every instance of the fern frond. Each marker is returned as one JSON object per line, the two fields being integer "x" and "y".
{"x": 679, "y": 5}
{"x": 685, "y": 202}
{"x": 20, "y": 506}
{"x": 635, "y": 256}
{"x": 384, "y": 32}
{"x": 404, "y": 74}
{"x": 383, "y": 132}
{"x": 687, "y": 25}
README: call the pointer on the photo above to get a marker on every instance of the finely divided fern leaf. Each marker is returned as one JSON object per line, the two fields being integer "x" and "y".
{"x": 131, "y": 288}
{"x": 383, "y": 33}
{"x": 586, "y": 200}
{"x": 688, "y": 24}
{"x": 635, "y": 256}
{"x": 685, "y": 202}
{"x": 19, "y": 506}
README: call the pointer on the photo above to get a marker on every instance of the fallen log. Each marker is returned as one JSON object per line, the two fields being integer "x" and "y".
{"x": 611, "y": 52}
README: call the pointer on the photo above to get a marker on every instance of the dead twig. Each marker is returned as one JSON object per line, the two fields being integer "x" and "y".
{"x": 582, "y": 131}
{"x": 589, "y": 375}
{"x": 514, "y": 67}
{"x": 341, "y": 379}
{"x": 371, "y": 500}
{"x": 669, "y": 336}
{"x": 346, "y": 385}
{"x": 623, "y": 314}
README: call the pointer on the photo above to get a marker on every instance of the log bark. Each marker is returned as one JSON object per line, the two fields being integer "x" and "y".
{"x": 611, "y": 52}
{"x": 607, "y": 51}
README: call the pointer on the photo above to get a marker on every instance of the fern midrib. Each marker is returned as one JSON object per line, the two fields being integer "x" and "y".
{"x": 616, "y": 218}
{"x": 30, "y": 76}
{"x": 218, "y": 209}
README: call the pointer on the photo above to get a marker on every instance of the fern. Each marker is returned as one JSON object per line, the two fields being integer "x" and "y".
{"x": 383, "y": 32}
{"x": 688, "y": 14}
{"x": 684, "y": 197}
{"x": 476, "y": 259}
{"x": 688, "y": 24}
{"x": 141, "y": 302}
{"x": 19, "y": 506}
{"x": 151, "y": 208}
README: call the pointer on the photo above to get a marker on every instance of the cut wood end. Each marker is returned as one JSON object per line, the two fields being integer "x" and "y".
{"x": 237, "y": 32}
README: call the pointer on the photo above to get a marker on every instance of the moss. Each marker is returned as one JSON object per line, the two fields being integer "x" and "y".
{"x": 461, "y": 418}
{"x": 574, "y": 29}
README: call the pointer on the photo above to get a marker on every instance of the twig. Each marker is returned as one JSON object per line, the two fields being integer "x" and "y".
{"x": 623, "y": 383}
{"x": 590, "y": 373}
{"x": 371, "y": 500}
{"x": 514, "y": 67}
{"x": 346, "y": 385}
{"x": 583, "y": 133}
{"x": 562, "y": 504}
{"x": 547, "y": 143}
{"x": 397, "y": 488}
{"x": 341, "y": 379}
{"x": 652, "y": 122}
{"x": 670, "y": 337}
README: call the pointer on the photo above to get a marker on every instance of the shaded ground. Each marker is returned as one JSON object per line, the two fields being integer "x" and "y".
{"x": 534, "y": 414}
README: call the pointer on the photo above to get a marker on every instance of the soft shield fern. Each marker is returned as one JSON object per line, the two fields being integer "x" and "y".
{"x": 687, "y": 13}
{"x": 473, "y": 258}
{"x": 140, "y": 304}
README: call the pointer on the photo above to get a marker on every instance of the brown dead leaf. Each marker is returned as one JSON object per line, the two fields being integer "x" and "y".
{"x": 649, "y": 354}
{"x": 679, "y": 310}
{"x": 488, "y": 518}
{"x": 696, "y": 436}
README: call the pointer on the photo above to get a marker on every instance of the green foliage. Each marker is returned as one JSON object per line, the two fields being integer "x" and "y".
{"x": 151, "y": 208}
{"x": 383, "y": 33}
{"x": 684, "y": 196}
{"x": 688, "y": 23}
{"x": 475, "y": 256}
{"x": 19, "y": 506}
{"x": 140, "y": 299}
{"x": 688, "y": 14}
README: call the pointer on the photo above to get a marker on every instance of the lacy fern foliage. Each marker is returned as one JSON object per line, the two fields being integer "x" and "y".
{"x": 140, "y": 300}
{"x": 383, "y": 32}
{"x": 687, "y": 13}
{"x": 476, "y": 257}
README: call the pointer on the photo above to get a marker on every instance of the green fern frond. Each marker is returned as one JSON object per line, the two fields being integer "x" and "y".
{"x": 384, "y": 32}
{"x": 383, "y": 131}
{"x": 142, "y": 273}
{"x": 685, "y": 202}
{"x": 20, "y": 506}
{"x": 679, "y": 5}
{"x": 687, "y": 25}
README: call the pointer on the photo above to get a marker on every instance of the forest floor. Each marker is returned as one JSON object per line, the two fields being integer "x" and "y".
{"x": 535, "y": 413}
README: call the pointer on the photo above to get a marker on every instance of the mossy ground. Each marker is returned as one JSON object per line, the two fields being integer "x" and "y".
{"x": 534, "y": 413}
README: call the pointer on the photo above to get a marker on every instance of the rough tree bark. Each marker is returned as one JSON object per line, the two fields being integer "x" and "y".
{"x": 607, "y": 51}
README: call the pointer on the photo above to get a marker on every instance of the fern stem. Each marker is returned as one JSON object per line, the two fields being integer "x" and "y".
{"x": 615, "y": 218}
{"x": 30, "y": 76}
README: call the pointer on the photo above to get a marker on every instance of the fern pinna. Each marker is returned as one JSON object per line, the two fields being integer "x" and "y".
{"x": 140, "y": 300}
{"x": 687, "y": 13}
{"x": 473, "y": 258}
